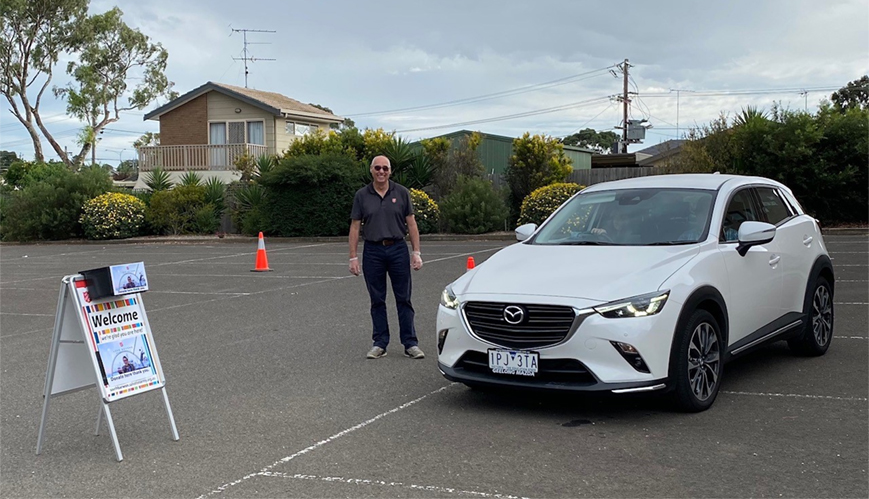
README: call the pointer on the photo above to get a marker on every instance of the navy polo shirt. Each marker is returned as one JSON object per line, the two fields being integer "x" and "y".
{"x": 382, "y": 217}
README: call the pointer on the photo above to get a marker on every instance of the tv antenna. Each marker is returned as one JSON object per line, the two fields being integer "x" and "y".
{"x": 246, "y": 53}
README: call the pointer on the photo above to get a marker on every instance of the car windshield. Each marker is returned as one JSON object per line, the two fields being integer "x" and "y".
{"x": 633, "y": 217}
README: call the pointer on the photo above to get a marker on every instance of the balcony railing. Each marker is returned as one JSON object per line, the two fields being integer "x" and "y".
{"x": 216, "y": 157}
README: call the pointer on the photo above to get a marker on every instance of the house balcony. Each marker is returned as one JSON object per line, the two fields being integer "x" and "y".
{"x": 204, "y": 157}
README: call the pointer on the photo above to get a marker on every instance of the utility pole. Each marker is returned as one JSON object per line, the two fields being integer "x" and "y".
{"x": 625, "y": 102}
{"x": 246, "y": 55}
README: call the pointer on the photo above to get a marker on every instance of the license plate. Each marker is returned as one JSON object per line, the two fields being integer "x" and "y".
{"x": 517, "y": 362}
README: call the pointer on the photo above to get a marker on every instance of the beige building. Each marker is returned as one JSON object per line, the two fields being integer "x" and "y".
{"x": 206, "y": 129}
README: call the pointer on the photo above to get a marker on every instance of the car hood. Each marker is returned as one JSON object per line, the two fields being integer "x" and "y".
{"x": 595, "y": 273}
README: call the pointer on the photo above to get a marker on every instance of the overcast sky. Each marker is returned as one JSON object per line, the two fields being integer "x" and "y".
{"x": 364, "y": 57}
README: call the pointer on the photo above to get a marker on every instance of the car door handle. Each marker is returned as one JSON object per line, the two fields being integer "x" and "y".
{"x": 807, "y": 240}
{"x": 773, "y": 260}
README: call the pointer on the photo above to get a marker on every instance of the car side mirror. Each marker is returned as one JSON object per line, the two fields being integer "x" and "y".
{"x": 523, "y": 232}
{"x": 754, "y": 234}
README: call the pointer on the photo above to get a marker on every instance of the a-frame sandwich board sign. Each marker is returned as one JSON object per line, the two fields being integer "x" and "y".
{"x": 106, "y": 343}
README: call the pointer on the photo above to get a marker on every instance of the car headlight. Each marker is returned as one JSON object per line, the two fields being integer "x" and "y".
{"x": 448, "y": 299}
{"x": 638, "y": 306}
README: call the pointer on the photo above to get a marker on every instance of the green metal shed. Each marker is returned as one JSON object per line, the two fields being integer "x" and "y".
{"x": 495, "y": 151}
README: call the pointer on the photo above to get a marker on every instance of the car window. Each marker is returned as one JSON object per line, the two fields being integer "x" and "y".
{"x": 774, "y": 207}
{"x": 740, "y": 209}
{"x": 636, "y": 217}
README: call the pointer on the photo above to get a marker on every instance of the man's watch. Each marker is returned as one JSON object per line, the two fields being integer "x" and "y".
{"x": 417, "y": 253}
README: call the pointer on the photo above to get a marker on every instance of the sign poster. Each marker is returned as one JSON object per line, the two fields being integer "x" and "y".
{"x": 120, "y": 338}
{"x": 128, "y": 278}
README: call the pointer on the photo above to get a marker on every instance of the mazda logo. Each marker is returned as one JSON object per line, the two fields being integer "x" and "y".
{"x": 514, "y": 314}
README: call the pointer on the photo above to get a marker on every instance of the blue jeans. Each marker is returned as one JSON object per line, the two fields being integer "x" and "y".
{"x": 394, "y": 260}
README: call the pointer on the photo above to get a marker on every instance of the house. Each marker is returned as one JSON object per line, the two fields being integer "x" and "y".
{"x": 495, "y": 151}
{"x": 663, "y": 154}
{"x": 208, "y": 128}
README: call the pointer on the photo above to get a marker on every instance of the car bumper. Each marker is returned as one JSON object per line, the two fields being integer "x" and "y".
{"x": 586, "y": 361}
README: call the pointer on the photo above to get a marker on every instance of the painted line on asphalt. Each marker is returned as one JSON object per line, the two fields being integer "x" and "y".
{"x": 200, "y": 292}
{"x": 797, "y": 395}
{"x": 852, "y": 337}
{"x": 43, "y": 330}
{"x": 321, "y": 443}
{"x": 258, "y": 275}
{"x": 29, "y": 315}
{"x": 246, "y": 253}
{"x": 29, "y": 280}
{"x": 852, "y": 265}
{"x": 382, "y": 483}
{"x": 852, "y": 280}
{"x": 849, "y": 252}
{"x": 850, "y": 303}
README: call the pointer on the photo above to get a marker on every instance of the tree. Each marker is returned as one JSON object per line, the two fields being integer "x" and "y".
{"x": 34, "y": 36}
{"x": 109, "y": 52}
{"x": 6, "y": 159}
{"x": 105, "y": 52}
{"x": 537, "y": 161}
{"x": 591, "y": 139}
{"x": 853, "y": 95}
{"x": 149, "y": 139}
{"x": 347, "y": 123}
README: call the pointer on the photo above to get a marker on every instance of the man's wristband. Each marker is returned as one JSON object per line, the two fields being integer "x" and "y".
{"x": 417, "y": 253}
{"x": 354, "y": 258}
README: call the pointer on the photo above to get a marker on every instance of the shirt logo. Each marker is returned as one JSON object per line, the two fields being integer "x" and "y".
{"x": 393, "y": 200}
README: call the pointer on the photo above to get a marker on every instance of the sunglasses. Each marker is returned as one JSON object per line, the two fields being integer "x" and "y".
{"x": 379, "y": 168}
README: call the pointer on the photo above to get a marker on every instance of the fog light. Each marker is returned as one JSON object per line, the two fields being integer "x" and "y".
{"x": 627, "y": 348}
{"x": 631, "y": 355}
{"x": 442, "y": 337}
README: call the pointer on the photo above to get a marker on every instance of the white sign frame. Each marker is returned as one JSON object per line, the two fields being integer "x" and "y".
{"x": 74, "y": 347}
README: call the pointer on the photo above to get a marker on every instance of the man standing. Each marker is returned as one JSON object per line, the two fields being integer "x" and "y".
{"x": 384, "y": 211}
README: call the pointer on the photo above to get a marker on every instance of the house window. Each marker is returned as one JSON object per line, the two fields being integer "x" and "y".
{"x": 237, "y": 132}
{"x": 298, "y": 129}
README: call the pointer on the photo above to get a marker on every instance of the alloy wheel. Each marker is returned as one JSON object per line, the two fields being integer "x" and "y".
{"x": 704, "y": 361}
{"x": 822, "y": 315}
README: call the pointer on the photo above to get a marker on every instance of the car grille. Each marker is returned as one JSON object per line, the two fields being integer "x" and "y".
{"x": 544, "y": 325}
{"x": 548, "y": 371}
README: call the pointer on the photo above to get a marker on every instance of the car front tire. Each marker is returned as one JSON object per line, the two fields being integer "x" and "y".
{"x": 818, "y": 331}
{"x": 696, "y": 362}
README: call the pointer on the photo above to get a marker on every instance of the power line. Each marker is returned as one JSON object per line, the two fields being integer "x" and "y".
{"x": 589, "y": 121}
{"x": 510, "y": 116}
{"x": 504, "y": 93}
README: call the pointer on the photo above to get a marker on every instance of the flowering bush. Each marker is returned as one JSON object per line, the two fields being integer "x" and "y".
{"x": 425, "y": 211}
{"x": 541, "y": 203}
{"x": 112, "y": 216}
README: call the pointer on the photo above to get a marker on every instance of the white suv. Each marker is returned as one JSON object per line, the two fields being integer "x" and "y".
{"x": 644, "y": 284}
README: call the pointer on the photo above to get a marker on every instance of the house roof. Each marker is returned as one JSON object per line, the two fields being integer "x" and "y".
{"x": 660, "y": 151}
{"x": 503, "y": 138}
{"x": 272, "y": 102}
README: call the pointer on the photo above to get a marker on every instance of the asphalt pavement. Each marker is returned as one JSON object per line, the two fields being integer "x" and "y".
{"x": 273, "y": 396}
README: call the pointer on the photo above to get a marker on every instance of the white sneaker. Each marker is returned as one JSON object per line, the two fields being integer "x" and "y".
{"x": 414, "y": 353}
{"x": 376, "y": 353}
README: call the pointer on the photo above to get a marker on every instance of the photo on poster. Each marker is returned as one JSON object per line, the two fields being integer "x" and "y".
{"x": 129, "y": 278}
{"x": 126, "y": 361}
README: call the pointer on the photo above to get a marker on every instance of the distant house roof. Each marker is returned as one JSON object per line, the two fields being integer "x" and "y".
{"x": 272, "y": 102}
{"x": 658, "y": 152}
{"x": 504, "y": 138}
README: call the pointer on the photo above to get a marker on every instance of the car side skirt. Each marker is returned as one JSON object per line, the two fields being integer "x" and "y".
{"x": 782, "y": 328}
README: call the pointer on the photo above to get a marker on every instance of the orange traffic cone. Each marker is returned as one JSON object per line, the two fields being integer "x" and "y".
{"x": 262, "y": 261}
{"x": 470, "y": 263}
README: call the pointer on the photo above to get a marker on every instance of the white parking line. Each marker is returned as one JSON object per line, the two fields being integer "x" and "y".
{"x": 850, "y": 303}
{"x": 321, "y": 443}
{"x": 852, "y": 337}
{"x": 797, "y": 395}
{"x": 29, "y": 315}
{"x": 360, "y": 481}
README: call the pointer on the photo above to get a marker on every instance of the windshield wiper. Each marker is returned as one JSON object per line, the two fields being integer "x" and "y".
{"x": 670, "y": 243}
{"x": 584, "y": 243}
